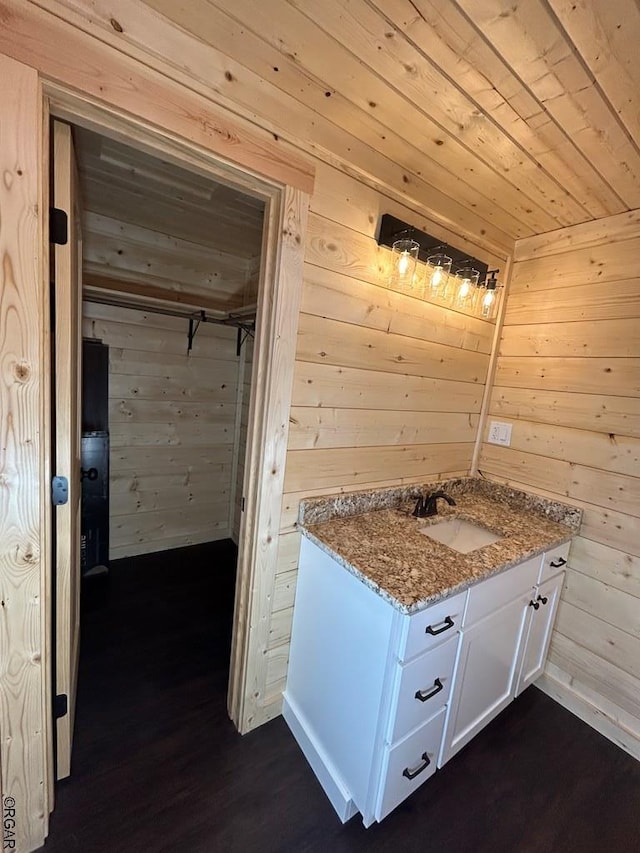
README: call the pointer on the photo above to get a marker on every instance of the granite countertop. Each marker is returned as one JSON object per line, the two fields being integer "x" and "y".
{"x": 374, "y": 536}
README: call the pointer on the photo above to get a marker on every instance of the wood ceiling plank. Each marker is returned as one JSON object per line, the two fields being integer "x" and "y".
{"x": 320, "y": 56}
{"x": 529, "y": 38}
{"x": 450, "y": 41}
{"x": 168, "y": 45}
{"x": 145, "y": 191}
{"x": 273, "y": 59}
{"x": 606, "y": 36}
{"x": 428, "y": 94}
{"x": 154, "y": 212}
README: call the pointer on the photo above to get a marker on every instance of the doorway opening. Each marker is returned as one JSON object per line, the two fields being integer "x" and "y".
{"x": 176, "y": 299}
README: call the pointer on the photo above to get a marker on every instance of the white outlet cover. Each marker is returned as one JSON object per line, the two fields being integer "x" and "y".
{"x": 499, "y": 433}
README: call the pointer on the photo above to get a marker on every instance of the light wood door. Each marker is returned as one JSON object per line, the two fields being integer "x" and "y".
{"x": 67, "y": 347}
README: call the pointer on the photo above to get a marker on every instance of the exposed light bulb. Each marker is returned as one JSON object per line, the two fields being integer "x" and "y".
{"x": 465, "y": 287}
{"x": 405, "y": 256}
{"x": 436, "y": 277}
{"x": 403, "y": 264}
{"x": 487, "y": 302}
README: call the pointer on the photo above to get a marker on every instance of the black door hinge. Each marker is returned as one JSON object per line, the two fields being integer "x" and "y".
{"x": 58, "y": 226}
{"x": 60, "y": 706}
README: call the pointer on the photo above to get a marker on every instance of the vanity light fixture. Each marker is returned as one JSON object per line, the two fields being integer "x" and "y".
{"x": 441, "y": 259}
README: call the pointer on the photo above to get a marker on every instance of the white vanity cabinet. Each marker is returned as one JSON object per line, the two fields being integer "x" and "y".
{"x": 377, "y": 699}
{"x": 367, "y": 686}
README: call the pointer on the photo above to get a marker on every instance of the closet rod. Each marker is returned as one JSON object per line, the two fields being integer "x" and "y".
{"x": 247, "y": 322}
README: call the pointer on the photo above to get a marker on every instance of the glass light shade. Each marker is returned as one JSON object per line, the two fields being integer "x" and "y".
{"x": 404, "y": 258}
{"x": 487, "y": 304}
{"x": 438, "y": 269}
{"x": 466, "y": 288}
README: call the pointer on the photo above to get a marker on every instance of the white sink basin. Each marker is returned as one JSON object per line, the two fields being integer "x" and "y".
{"x": 460, "y": 535}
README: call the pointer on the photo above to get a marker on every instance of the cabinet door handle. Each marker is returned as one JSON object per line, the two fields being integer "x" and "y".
{"x": 446, "y": 624}
{"x": 543, "y": 599}
{"x": 534, "y": 604}
{"x": 558, "y": 563}
{"x": 412, "y": 773}
{"x": 423, "y": 695}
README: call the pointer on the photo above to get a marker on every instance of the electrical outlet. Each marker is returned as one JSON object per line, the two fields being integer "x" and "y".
{"x": 499, "y": 433}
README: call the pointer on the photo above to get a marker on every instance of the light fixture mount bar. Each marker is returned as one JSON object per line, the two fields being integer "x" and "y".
{"x": 392, "y": 229}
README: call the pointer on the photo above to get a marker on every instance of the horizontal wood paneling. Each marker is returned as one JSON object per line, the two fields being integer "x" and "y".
{"x": 326, "y": 427}
{"x": 609, "y": 414}
{"x": 597, "y": 376}
{"x": 568, "y": 378}
{"x": 172, "y": 429}
{"x": 115, "y": 249}
{"x": 317, "y": 384}
{"x": 387, "y": 387}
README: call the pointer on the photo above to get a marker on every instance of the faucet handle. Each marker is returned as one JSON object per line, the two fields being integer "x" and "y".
{"x": 418, "y": 510}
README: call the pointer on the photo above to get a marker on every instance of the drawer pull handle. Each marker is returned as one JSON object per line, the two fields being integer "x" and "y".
{"x": 423, "y": 695}
{"x": 543, "y": 599}
{"x": 411, "y": 774}
{"x": 558, "y": 563}
{"x": 446, "y": 624}
{"x": 535, "y": 605}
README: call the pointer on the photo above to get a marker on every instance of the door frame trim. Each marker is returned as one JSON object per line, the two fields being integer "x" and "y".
{"x": 279, "y": 295}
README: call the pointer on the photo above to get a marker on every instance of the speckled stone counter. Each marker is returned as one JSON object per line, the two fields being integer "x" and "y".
{"x": 374, "y": 536}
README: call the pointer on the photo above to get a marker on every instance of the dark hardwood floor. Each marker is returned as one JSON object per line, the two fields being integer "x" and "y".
{"x": 158, "y": 767}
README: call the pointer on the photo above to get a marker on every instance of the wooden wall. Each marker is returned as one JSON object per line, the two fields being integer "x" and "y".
{"x": 172, "y": 427}
{"x": 387, "y": 387}
{"x": 568, "y": 377}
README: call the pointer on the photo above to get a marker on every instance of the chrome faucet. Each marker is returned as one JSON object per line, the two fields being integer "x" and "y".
{"x": 428, "y": 506}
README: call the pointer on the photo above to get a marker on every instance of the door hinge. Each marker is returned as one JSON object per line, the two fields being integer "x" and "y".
{"x": 242, "y": 510}
{"x": 58, "y": 226}
{"x": 59, "y": 491}
{"x": 60, "y": 706}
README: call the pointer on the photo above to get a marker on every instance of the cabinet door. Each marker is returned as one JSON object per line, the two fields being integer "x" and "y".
{"x": 484, "y": 681}
{"x": 540, "y": 621}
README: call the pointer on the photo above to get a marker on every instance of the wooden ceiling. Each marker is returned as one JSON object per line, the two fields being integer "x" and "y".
{"x": 524, "y": 113}
{"x": 151, "y": 228}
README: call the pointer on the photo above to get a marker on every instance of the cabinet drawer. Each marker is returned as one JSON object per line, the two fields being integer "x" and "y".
{"x": 432, "y": 626}
{"x": 553, "y": 562}
{"x": 491, "y": 594}
{"x": 422, "y": 688}
{"x": 408, "y": 764}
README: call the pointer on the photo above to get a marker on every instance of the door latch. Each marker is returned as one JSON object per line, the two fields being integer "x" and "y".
{"x": 59, "y": 491}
